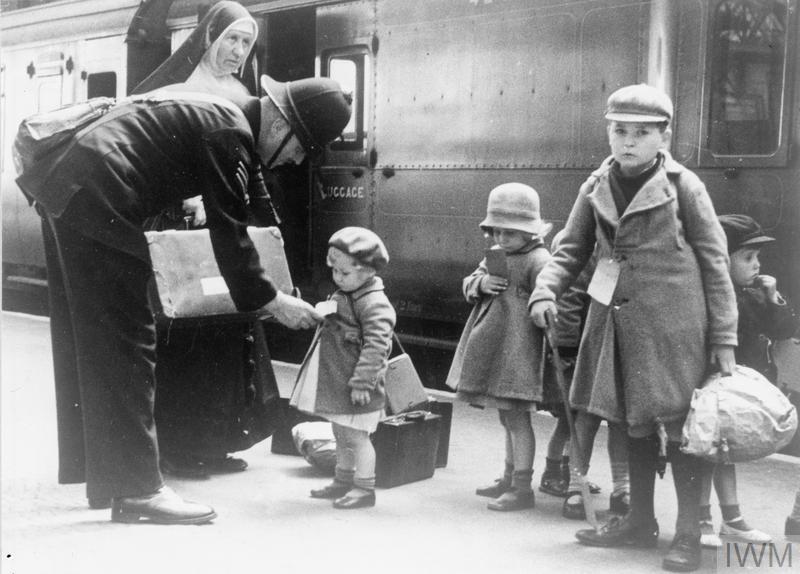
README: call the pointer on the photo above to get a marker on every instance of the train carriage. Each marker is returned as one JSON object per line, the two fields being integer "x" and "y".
{"x": 451, "y": 98}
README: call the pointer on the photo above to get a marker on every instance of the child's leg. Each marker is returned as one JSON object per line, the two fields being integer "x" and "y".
{"x": 708, "y": 537}
{"x": 620, "y": 478}
{"x": 523, "y": 446}
{"x": 553, "y": 478}
{"x": 733, "y": 524}
{"x": 586, "y": 425}
{"x": 500, "y": 485}
{"x": 684, "y": 552}
{"x": 362, "y": 492}
{"x": 345, "y": 468}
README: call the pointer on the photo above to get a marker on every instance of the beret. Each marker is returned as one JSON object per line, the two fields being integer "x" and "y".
{"x": 361, "y": 244}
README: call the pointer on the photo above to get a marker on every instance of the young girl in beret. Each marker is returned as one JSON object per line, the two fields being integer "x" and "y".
{"x": 344, "y": 376}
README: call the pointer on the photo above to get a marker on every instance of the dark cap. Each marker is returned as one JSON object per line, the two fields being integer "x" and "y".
{"x": 316, "y": 108}
{"x": 361, "y": 244}
{"x": 639, "y": 103}
{"x": 743, "y": 231}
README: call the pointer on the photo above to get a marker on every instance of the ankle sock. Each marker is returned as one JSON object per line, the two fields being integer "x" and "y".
{"x": 521, "y": 480}
{"x": 365, "y": 483}
{"x": 343, "y": 476}
{"x": 552, "y": 467}
{"x": 730, "y": 512}
{"x": 620, "y": 479}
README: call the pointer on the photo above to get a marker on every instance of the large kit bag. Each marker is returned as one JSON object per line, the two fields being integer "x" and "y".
{"x": 42, "y": 134}
{"x": 738, "y": 417}
{"x": 188, "y": 283}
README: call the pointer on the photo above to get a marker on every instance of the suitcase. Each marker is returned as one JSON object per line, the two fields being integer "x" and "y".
{"x": 188, "y": 284}
{"x": 793, "y": 448}
{"x": 444, "y": 410}
{"x": 406, "y": 448}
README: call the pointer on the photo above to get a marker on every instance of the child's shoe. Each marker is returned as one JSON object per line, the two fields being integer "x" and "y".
{"x": 351, "y": 500}
{"x": 573, "y": 506}
{"x": 619, "y": 531}
{"x": 792, "y": 526}
{"x": 709, "y": 538}
{"x": 513, "y": 499}
{"x": 740, "y": 530}
{"x": 554, "y": 483}
{"x": 619, "y": 503}
{"x": 684, "y": 553}
{"x": 332, "y": 491}
{"x": 494, "y": 490}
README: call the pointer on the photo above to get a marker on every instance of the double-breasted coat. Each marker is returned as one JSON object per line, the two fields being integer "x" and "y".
{"x": 500, "y": 352}
{"x": 642, "y": 355}
{"x": 354, "y": 347}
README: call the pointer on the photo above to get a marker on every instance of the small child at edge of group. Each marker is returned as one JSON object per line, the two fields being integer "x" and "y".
{"x": 344, "y": 384}
{"x": 499, "y": 357}
{"x": 663, "y": 309}
{"x": 764, "y": 317}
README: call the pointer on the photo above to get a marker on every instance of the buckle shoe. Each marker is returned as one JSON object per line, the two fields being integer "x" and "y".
{"x": 162, "y": 507}
{"x": 513, "y": 499}
{"x": 554, "y": 484}
{"x": 332, "y": 491}
{"x": 495, "y": 489}
{"x": 744, "y": 534}
{"x": 573, "y": 510}
{"x": 684, "y": 553}
{"x": 619, "y": 503}
{"x": 709, "y": 538}
{"x": 620, "y": 531}
{"x": 348, "y": 502}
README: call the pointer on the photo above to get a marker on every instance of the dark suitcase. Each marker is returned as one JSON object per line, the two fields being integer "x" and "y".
{"x": 282, "y": 441}
{"x": 406, "y": 448}
{"x": 444, "y": 410}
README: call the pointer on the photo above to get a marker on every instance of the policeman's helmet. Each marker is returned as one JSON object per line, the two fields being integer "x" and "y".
{"x": 316, "y": 109}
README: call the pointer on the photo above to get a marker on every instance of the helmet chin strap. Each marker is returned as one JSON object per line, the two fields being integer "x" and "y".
{"x": 279, "y": 149}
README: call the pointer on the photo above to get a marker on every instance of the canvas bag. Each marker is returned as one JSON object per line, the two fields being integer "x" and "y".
{"x": 187, "y": 280}
{"x": 737, "y": 418}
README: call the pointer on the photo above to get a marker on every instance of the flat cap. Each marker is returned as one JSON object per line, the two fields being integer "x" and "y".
{"x": 743, "y": 231}
{"x": 361, "y": 244}
{"x": 639, "y": 103}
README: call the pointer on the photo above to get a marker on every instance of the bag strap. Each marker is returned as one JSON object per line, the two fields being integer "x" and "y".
{"x": 395, "y": 338}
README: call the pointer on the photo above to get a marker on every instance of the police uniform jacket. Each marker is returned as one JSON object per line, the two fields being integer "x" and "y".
{"x": 149, "y": 157}
{"x": 643, "y": 355}
{"x": 354, "y": 348}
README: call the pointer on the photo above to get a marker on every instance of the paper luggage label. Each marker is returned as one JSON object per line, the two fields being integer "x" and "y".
{"x": 604, "y": 280}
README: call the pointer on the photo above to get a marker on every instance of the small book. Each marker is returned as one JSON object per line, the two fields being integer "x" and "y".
{"x": 496, "y": 262}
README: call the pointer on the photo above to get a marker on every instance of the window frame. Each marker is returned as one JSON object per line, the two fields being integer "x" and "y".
{"x": 361, "y": 57}
{"x": 780, "y": 155}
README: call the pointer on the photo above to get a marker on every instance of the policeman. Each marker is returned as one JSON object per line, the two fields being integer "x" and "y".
{"x": 93, "y": 199}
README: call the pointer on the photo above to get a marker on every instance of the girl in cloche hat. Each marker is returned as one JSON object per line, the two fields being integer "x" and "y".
{"x": 498, "y": 359}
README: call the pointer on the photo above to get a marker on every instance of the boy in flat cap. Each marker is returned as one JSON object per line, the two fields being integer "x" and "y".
{"x": 662, "y": 308}
{"x": 764, "y": 317}
{"x": 343, "y": 376}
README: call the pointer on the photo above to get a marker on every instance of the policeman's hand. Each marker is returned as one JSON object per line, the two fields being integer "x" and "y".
{"x": 194, "y": 207}
{"x": 293, "y": 312}
{"x": 724, "y": 357}
{"x": 359, "y": 396}
{"x": 493, "y": 285}
{"x": 540, "y": 309}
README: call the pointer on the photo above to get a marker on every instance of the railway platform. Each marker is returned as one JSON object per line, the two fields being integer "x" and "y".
{"x": 268, "y": 523}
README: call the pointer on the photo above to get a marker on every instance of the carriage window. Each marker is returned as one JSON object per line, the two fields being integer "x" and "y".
{"x": 101, "y": 84}
{"x": 350, "y": 70}
{"x": 748, "y": 70}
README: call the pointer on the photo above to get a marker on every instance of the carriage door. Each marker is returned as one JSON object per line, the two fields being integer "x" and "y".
{"x": 342, "y": 191}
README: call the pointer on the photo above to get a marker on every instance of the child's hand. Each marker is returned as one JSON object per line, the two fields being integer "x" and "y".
{"x": 493, "y": 285}
{"x": 769, "y": 286}
{"x": 359, "y": 396}
{"x": 539, "y": 311}
{"x": 724, "y": 357}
